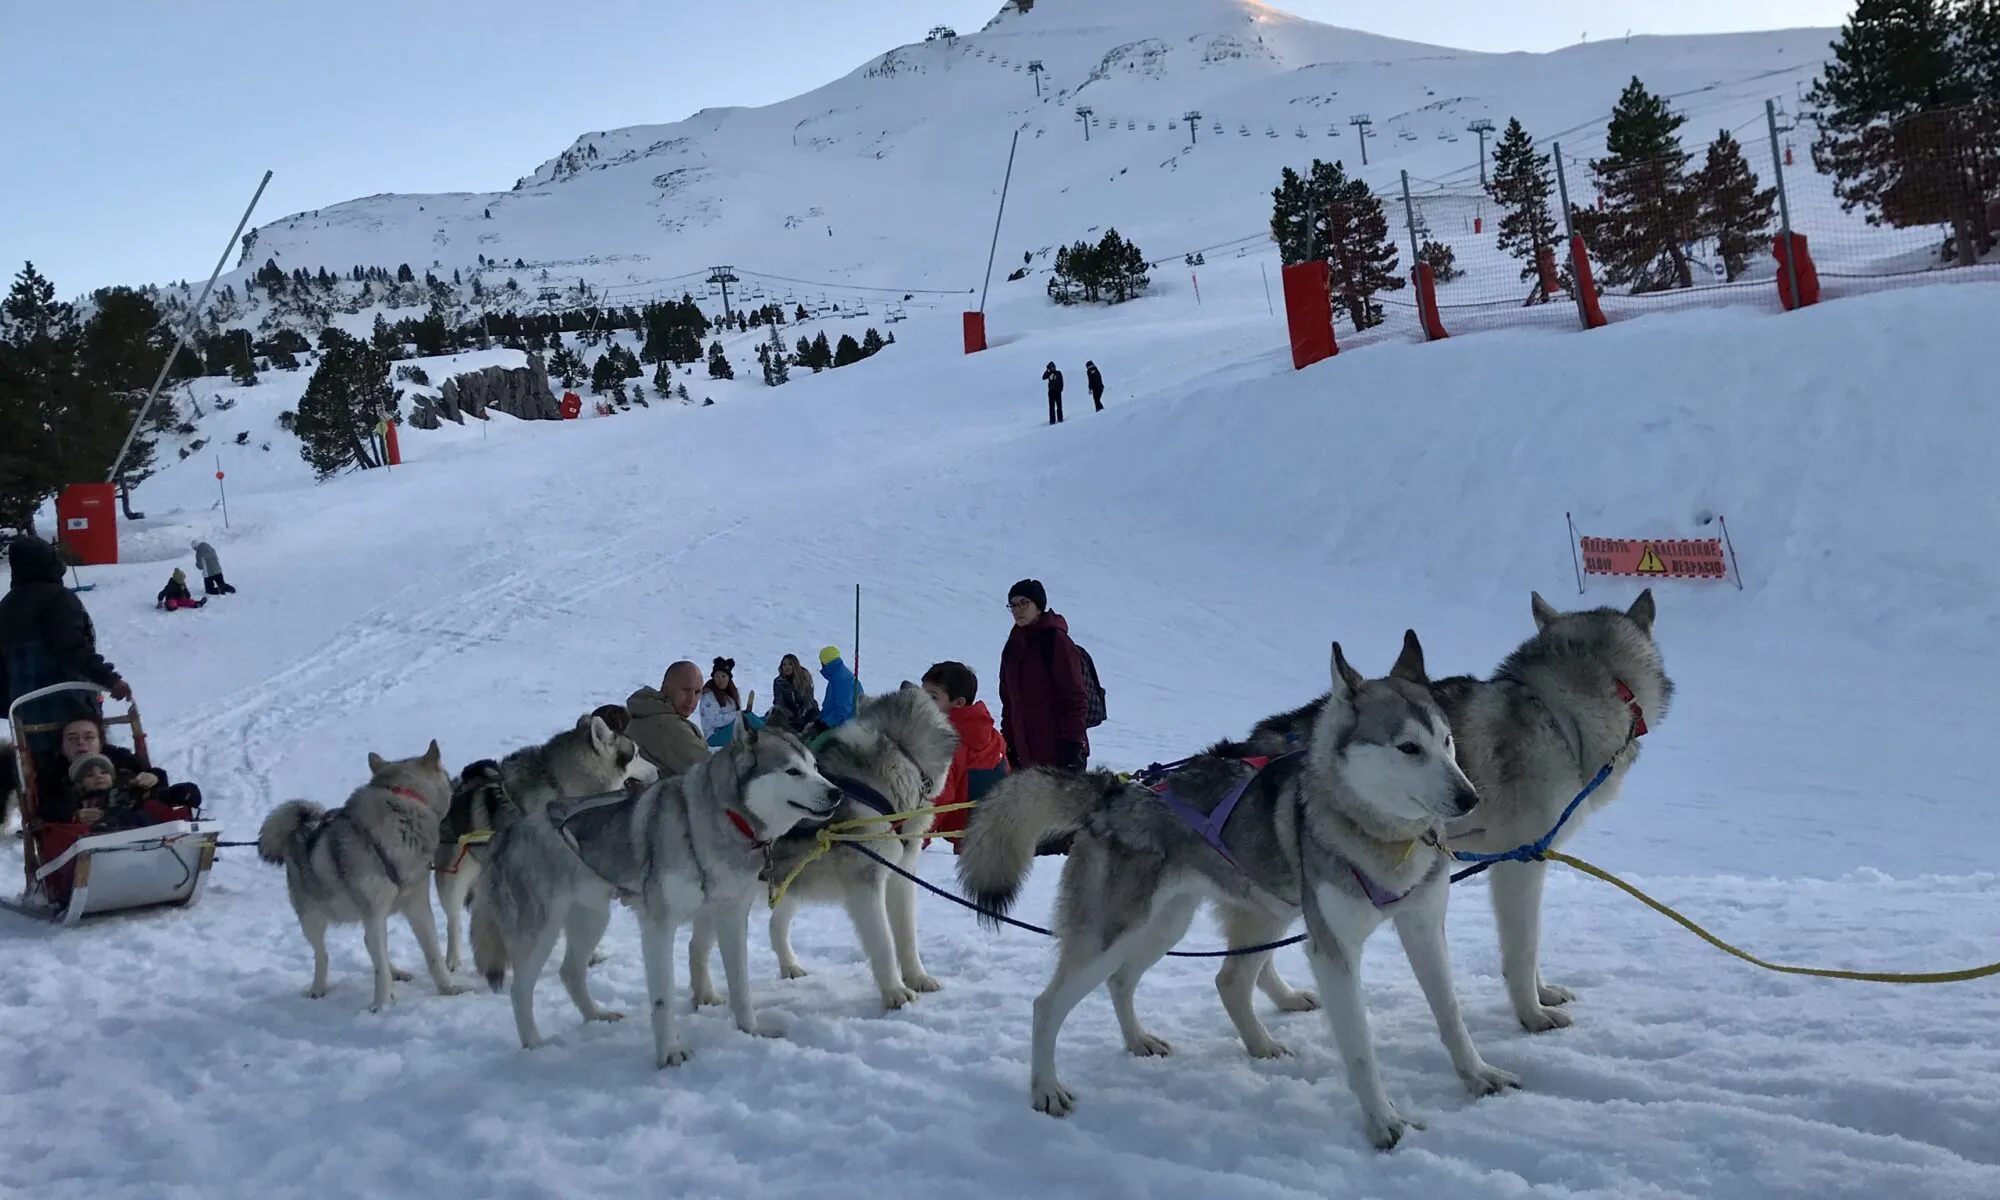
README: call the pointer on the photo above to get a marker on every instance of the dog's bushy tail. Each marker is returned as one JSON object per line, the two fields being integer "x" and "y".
{"x": 284, "y": 824}
{"x": 1018, "y": 815}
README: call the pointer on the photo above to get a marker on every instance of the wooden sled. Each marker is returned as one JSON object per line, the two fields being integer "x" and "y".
{"x": 70, "y": 878}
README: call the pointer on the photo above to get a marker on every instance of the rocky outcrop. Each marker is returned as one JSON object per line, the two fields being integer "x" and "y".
{"x": 520, "y": 392}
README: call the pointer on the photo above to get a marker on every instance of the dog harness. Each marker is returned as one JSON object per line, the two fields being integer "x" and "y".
{"x": 407, "y": 794}
{"x": 1159, "y": 781}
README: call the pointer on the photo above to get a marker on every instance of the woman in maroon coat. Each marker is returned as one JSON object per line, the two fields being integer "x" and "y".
{"x": 1042, "y": 697}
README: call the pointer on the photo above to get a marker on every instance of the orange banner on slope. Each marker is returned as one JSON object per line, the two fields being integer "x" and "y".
{"x": 1655, "y": 558}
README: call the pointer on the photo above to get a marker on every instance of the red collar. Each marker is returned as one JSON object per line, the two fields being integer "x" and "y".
{"x": 1632, "y": 703}
{"x": 743, "y": 827}
{"x": 407, "y": 794}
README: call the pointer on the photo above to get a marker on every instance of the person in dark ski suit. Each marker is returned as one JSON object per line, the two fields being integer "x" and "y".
{"x": 1096, "y": 383}
{"x": 210, "y": 566}
{"x": 1055, "y": 382}
{"x": 46, "y": 638}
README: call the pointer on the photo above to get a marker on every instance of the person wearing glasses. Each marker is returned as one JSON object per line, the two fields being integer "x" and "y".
{"x": 1042, "y": 692}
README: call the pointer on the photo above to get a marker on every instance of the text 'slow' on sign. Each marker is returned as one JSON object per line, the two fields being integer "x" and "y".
{"x": 1650, "y": 558}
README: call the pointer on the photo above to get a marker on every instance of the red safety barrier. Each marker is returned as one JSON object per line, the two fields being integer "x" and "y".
{"x": 1309, "y": 313}
{"x": 975, "y": 332}
{"x": 1427, "y": 302}
{"x": 1802, "y": 262}
{"x": 1586, "y": 285}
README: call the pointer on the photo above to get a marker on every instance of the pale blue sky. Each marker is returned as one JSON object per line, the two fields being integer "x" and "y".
{"x": 136, "y": 130}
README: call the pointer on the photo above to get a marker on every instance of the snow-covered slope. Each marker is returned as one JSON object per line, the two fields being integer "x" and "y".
{"x": 1818, "y": 793}
{"x": 888, "y": 178}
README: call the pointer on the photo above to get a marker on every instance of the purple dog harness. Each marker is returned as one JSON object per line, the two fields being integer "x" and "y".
{"x": 1209, "y": 825}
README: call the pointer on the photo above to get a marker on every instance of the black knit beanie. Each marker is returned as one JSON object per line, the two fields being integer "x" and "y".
{"x": 1030, "y": 590}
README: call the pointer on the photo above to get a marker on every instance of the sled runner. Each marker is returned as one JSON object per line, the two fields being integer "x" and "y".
{"x": 72, "y": 873}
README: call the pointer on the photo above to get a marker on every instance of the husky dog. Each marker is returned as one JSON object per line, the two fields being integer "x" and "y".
{"x": 1346, "y": 833}
{"x": 364, "y": 860}
{"x": 1566, "y": 703}
{"x": 688, "y": 846}
{"x": 896, "y": 752}
{"x": 585, "y": 760}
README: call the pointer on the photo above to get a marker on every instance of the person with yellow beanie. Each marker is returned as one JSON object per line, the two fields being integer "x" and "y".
{"x": 842, "y": 689}
{"x": 176, "y": 595}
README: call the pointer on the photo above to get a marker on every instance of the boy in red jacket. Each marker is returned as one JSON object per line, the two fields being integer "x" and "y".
{"x": 981, "y": 760}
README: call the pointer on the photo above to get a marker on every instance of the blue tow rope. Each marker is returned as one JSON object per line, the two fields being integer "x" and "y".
{"x": 1536, "y": 850}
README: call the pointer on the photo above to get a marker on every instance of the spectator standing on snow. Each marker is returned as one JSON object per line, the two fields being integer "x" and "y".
{"x": 1096, "y": 383}
{"x": 210, "y": 566}
{"x": 662, "y": 725}
{"x": 1043, "y": 702}
{"x": 841, "y": 688}
{"x": 792, "y": 695}
{"x": 1054, "y": 379}
{"x": 46, "y": 638}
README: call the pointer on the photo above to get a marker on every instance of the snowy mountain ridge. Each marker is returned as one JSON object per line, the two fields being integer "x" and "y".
{"x": 887, "y": 178}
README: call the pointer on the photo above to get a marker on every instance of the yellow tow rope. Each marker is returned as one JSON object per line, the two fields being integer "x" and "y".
{"x": 1818, "y": 972}
{"x": 857, "y": 830}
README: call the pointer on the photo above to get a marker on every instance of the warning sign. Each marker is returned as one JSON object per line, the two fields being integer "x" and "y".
{"x": 1673, "y": 558}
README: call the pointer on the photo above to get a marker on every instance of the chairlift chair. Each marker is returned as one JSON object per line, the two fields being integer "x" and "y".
{"x": 163, "y": 864}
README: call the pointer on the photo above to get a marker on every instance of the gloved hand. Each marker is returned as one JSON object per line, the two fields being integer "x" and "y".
{"x": 121, "y": 690}
{"x": 1070, "y": 756}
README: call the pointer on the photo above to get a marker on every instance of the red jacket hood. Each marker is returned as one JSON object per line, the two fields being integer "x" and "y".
{"x": 978, "y": 740}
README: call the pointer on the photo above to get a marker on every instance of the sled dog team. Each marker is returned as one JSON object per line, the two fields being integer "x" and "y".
{"x": 1343, "y": 812}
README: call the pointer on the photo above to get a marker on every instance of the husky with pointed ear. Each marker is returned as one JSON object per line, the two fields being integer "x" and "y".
{"x": 1345, "y": 833}
{"x": 365, "y": 860}
{"x": 1568, "y": 702}
{"x": 892, "y": 755}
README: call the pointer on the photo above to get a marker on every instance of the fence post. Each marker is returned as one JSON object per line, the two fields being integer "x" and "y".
{"x": 1410, "y": 220}
{"x": 1569, "y": 225}
{"x": 1784, "y": 205}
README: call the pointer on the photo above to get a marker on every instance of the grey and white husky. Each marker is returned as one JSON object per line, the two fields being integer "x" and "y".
{"x": 1566, "y": 703}
{"x": 898, "y": 747}
{"x": 1346, "y": 833}
{"x": 688, "y": 846}
{"x": 364, "y": 860}
{"x": 583, "y": 760}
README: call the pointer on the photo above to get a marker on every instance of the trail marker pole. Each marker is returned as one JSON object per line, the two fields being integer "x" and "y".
{"x": 222, "y": 491}
{"x": 1575, "y": 565}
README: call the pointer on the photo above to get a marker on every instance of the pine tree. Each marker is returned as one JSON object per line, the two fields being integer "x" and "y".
{"x": 1443, "y": 261}
{"x": 718, "y": 363}
{"x": 1909, "y": 123}
{"x": 806, "y": 356}
{"x": 1521, "y": 184}
{"x": 822, "y": 352}
{"x": 348, "y": 394}
{"x": 779, "y": 372}
{"x": 848, "y": 352}
{"x": 871, "y": 343}
{"x": 1733, "y": 211}
{"x": 1362, "y": 257}
{"x": 663, "y": 378}
{"x": 1650, "y": 208}
{"x": 604, "y": 374}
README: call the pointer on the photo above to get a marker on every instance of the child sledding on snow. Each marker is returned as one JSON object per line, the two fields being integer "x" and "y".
{"x": 176, "y": 595}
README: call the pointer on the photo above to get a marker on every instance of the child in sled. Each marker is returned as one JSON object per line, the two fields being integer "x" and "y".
{"x": 95, "y": 798}
{"x": 176, "y": 595}
{"x": 981, "y": 758}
